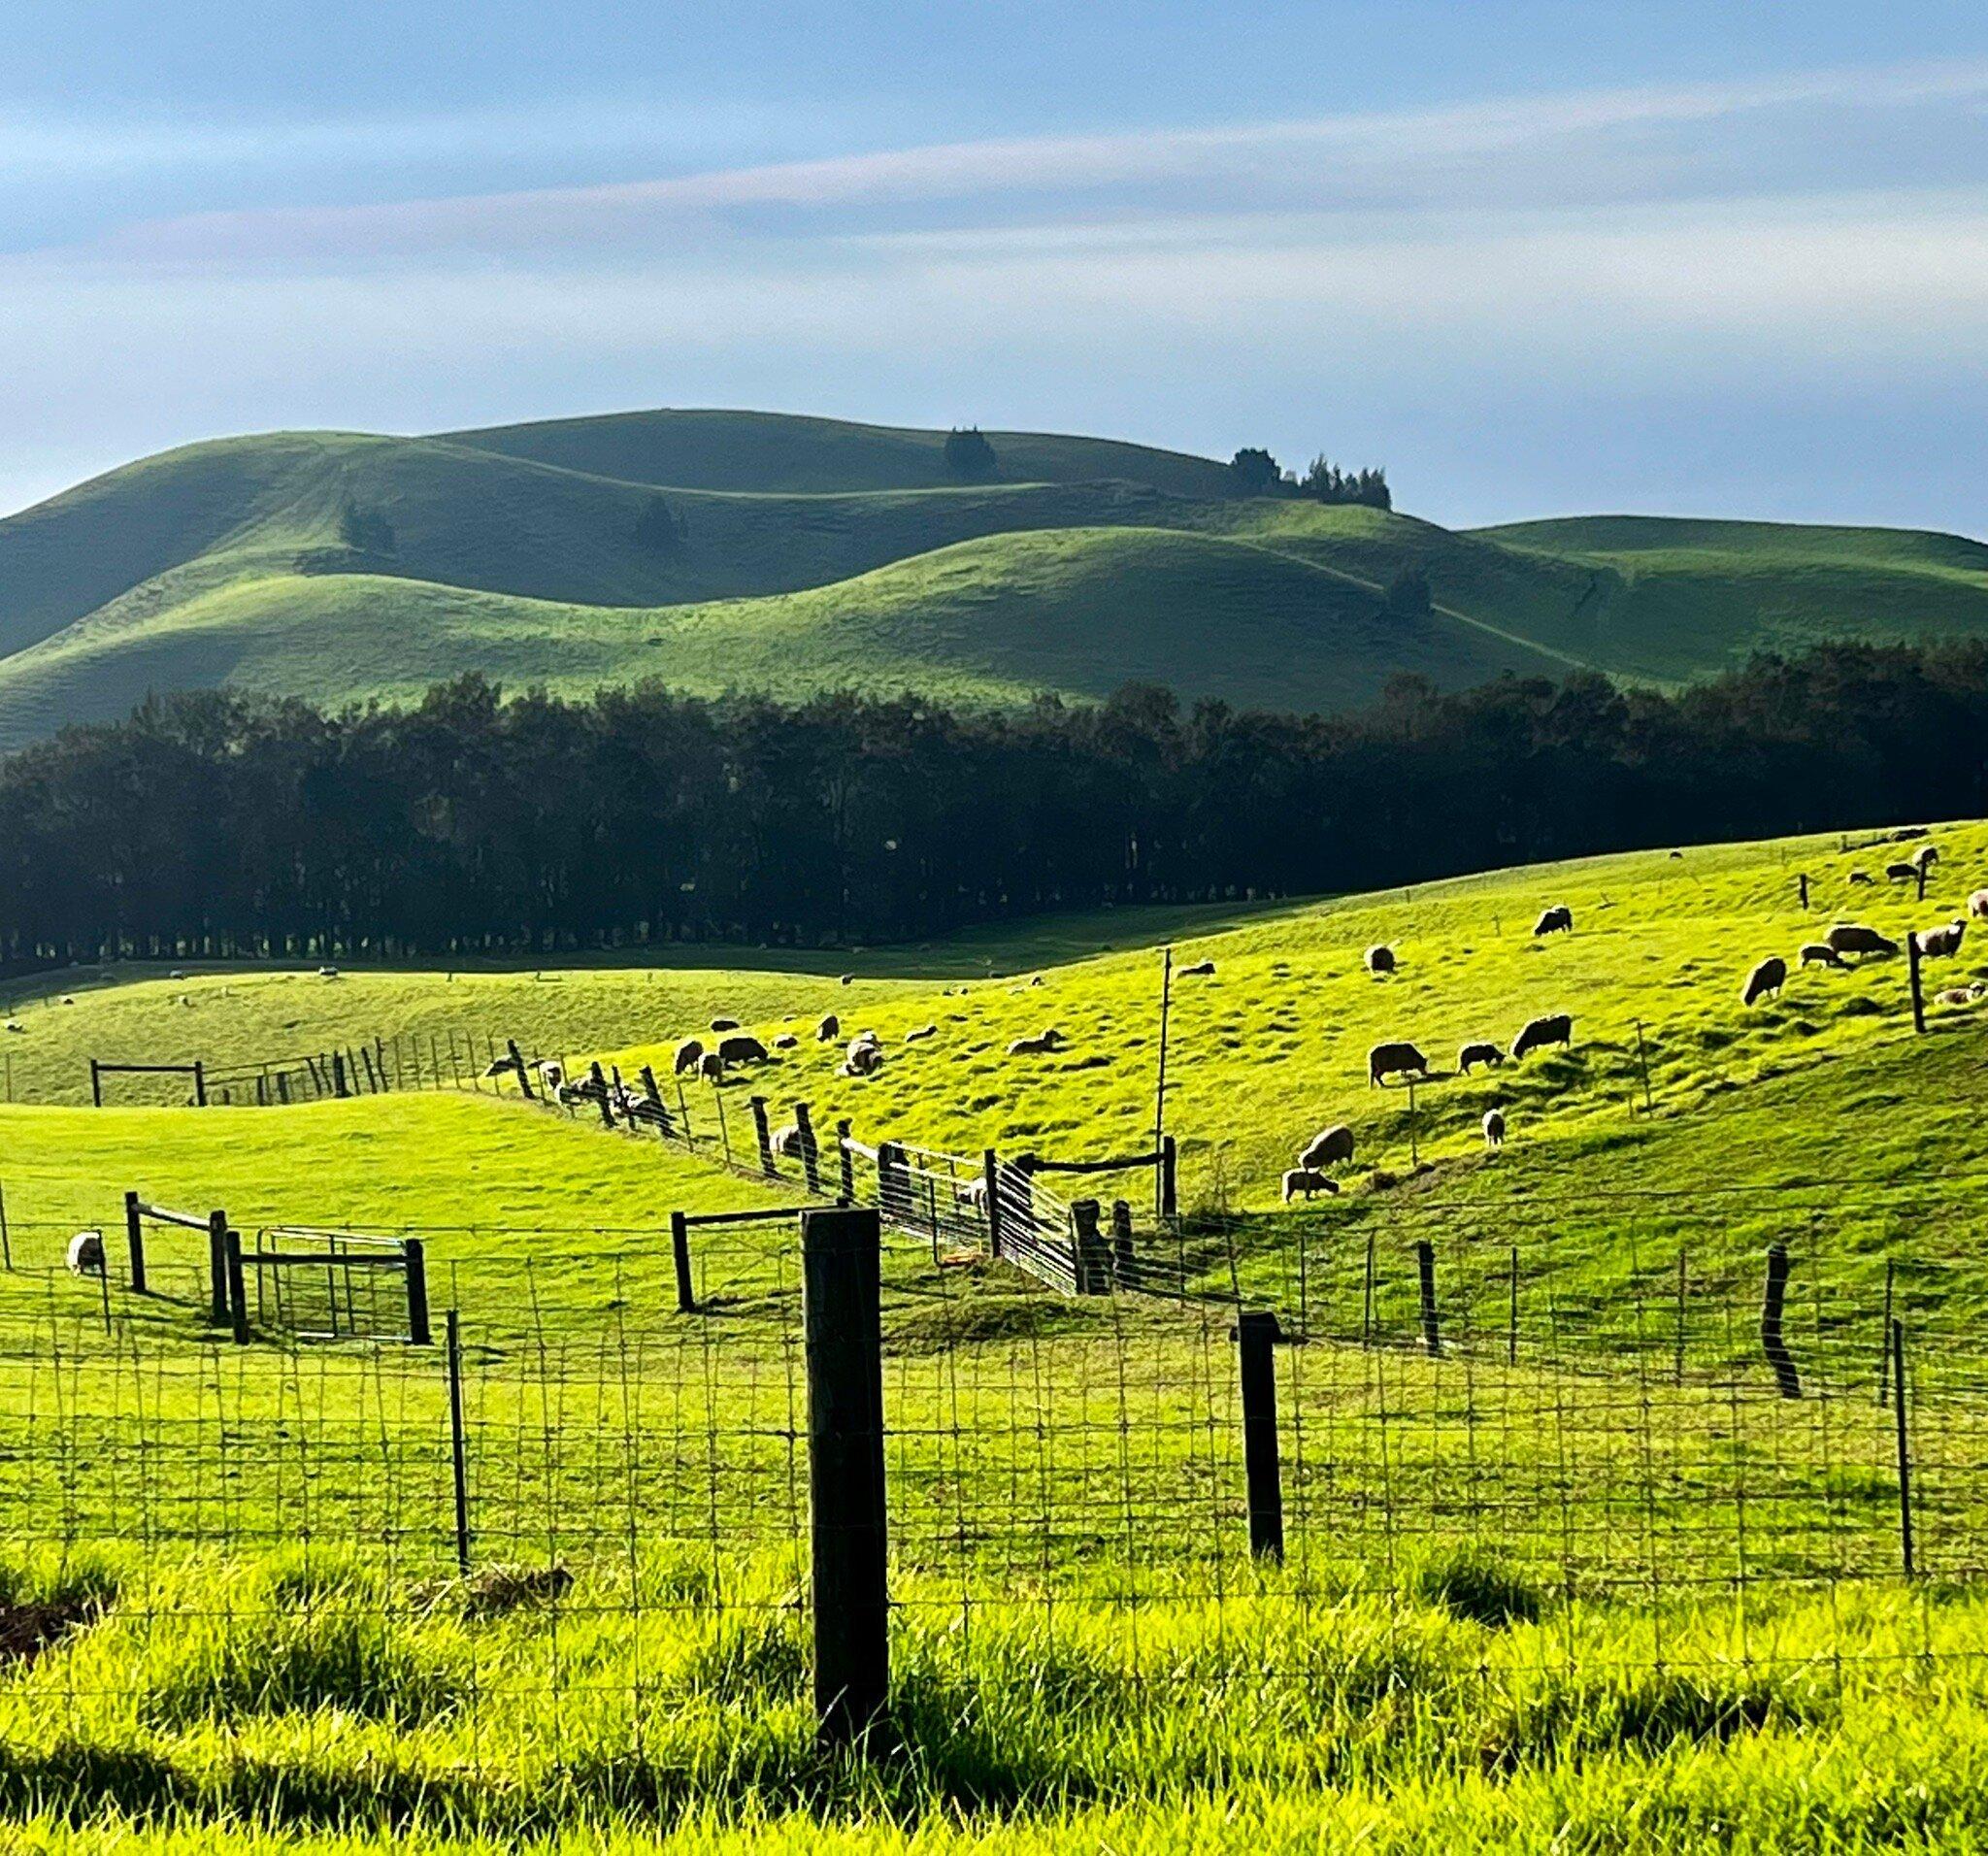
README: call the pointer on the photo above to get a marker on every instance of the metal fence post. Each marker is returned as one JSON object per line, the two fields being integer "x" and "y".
{"x": 1256, "y": 1338}
{"x": 1905, "y": 1444}
{"x": 458, "y": 1444}
{"x": 841, "y": 1263}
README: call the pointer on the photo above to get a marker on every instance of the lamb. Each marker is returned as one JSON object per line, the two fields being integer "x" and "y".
{"x": 828, "y": 1030}
{"x": 1304, "y": 1179}
{"x": 743, "y": 1048}
{"x": 86, "y": 1253}
{"x": 1902, "y": 872}
{"x": 1770, "y": 976}
{"x": 1494, "y": 1128}
{"x": 787, "y": 1041}
{"x": 1977, "y": 905}
{"x": 922, "y": 1033}
{"x": 725, "y": 1024}
{"x": 1941, "y": 943}
{"x": 1380, "y": 959}
{"x": 786, "y": 1141}
{"x": 1469, "y": 1055}
{"x": 689, "y": 1054}
{"x": 551, "y": 1074}
{"x": 15, "y": 1024}
{"x": 1200, "y": 970}
{"x": 1556, "y": 920}
{"x": 1854, "y": 937}
{"x": 1332, "y": 1148}
{"x": 1958, "y": 995}
{"x": 862, "y": 1059}
{"x": 1819, "y": 953}
{"x": 1391, "y": 1059}
{"x": 1537, "y": 1033}
{"x": 711, "y": 1067}
{"x": 1041, "y": 1044}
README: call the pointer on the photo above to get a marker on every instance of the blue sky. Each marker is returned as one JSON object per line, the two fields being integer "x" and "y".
{"x": 1536, "y": 258}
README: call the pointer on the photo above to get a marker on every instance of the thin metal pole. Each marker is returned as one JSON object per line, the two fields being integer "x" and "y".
{"x": 1160, "y": 1089}
{"x": 458, "y": 1446}
{"x": 1898, "y": 1374}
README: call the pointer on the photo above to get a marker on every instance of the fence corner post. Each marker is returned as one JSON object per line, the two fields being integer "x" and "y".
{"x": 841, "y": 1264}
{"x": 415, "y": 1258}
{"x": 1256, "y": 1338}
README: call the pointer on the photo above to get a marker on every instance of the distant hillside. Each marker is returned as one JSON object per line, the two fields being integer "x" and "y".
{"x": 752, "y": 549}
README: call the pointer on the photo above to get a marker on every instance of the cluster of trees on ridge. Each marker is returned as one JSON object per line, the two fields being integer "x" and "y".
{"x": 227, "y": 824}
{"x": 1256, "y": 473}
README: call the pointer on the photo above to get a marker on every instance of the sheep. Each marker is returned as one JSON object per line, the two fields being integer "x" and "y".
{"x": 1941, "y": 943}
{"x": 1557, "y": 1028}
{"x": 1494, "y": 1128}
{"x": 15, "y": 1024}
{"x": 786, "y": 1141}
{"x": 743, "y": 1048}
{"x": 1854, "y": 937}
{"x": 690, "y": 1055}
{"x": 1862, "y": 877}
{"x": 1902, "y": 872}
{"x": 711, "y": 1067}
{"x": 828, "y": 1030}
{"x": 847, "y": 979}
{"x": 1977, "y": 905}
{"x": 178, "y": 973}
{"x": 972, "y": 1195}
{"x": 1304, "y": 1179}
{"x": 922, "y": 1033}
{"x": 1958, "y": 995}
{"x": 1040, "y": 1044}
{"x": 862, "y": 1059}
{"x": 327, "y": 973}
{"x": 1391, "y": 1059}
{"x": 725, "y": 1024}
{"x": 787, "y": 1041}
{"x": 1200, "y": 970}
{"x": 86, "y": 1253}
{"x": 1926, "y": 856}
{"x": 1380, "y": 959}
{"x": 551, "y": 1074}
{"x": 1769, "y": 975}
{"x": 1469, "y": 1055}
{"x": 1334, "y": 1147}
{"x": 1556, "y": 920}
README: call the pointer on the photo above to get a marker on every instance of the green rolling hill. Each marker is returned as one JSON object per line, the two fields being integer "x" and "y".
{"x": 801, "y": 555}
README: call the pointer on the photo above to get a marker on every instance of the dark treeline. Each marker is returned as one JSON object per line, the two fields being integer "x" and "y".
{"x": 225, "y": 824}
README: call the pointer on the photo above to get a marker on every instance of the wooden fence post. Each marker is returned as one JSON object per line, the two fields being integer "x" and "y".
{"x": 1773, "y": 1303}
{"x": 96, "y": 1084}
{"x": 1914, "y": 980}
{"x": 757, "y": 1104}
{"x": 1093, "y": 1260}
{"x": 338, "y": 1074}
{"x": 846, "y": 1171}
{"x": 679, "y": 1251}
{"x": 1425, "y": 1272}
{"x": 810, "y": 1152}
{"x": 1802, "y": 883}
{"x": 459, "y": 1442}
{"x": 1169, "y": 1197}
{"x": 218, "y": 1266}
{"x": 415, "y": 1261}
{"x": 841, "y": 1263}
{"x": 238, "y": 1288}
{"x": 991, "y": 1165}
{"x": 524, "y": 1082}
{"x": 1256, "y": 1337}
{"x": 199, "y": 1082}
{"x": 134, "y": 1238}
{"x": 1124, "y": 1263}
{"x": 654, "y": 1091}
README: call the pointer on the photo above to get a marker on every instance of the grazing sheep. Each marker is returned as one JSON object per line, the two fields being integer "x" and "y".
{"x": 743, "y": 1048}
{"x": 86, "y": 1253}
{"x": 1494, "y": 1128}
{"x": 1537, "y": 1033}
{"x": 1862, "y": 877}
{"x": 1853, "y": 938}
{"x": 920, "y": 1033}
{"x": 1380, "y": 959}
{"x": 847, "y": 979}
{"x": 725, "y": 1024}
{"x": 15, "y": 1024}
{"x": 551, "y": 1074}
{"x": 1469, "y": 1055}
{"x": 1391, "y": 1059}
{"x": 1037, "y": 980}
{"x": 1958, "y": 995}
{"x": 1902, "y": 872}
{"x": 178, "y": 973}
{"x": 1677, "y": 855}
{"x": 1333, "y": 1147}
{"x": 1977, "y": 905}
{"x": 1819, "y": 953}
{"x": 327, "y": 973}
{"x": 1041, "y": 1044}
{"x": 828, "y": 1030}
{"x": 689, "y": 1054}
{"x": 1941, "y": 943}
{"x": 711, "y": 1067}
{"x": 787, "y": 1041}
{"x": 1556, "y": 920}
{"x": 1304, "y": 1179}
{"x": 1199, "y": 969}
{"x": 1926, "y": 856}
{"x": 862, "y": 1059}
{"x": 1770, "y": 976}
{"x": 786, "y": 1141}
